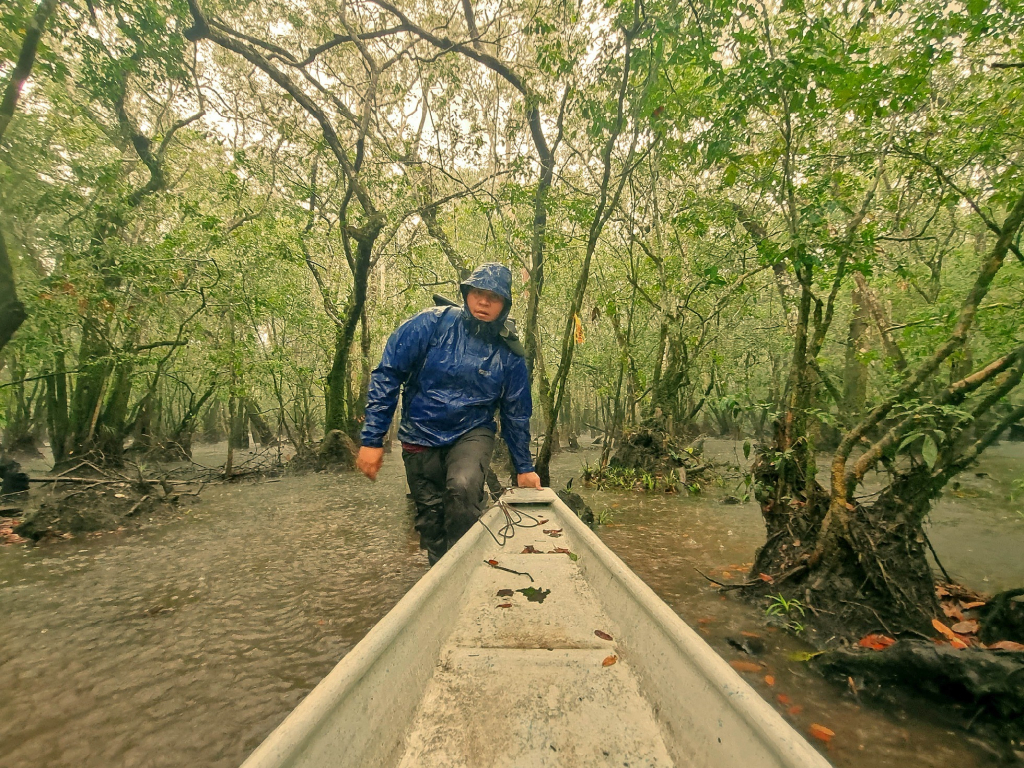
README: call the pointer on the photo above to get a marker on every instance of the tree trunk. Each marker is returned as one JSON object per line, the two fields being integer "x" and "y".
{"x": 238, "y": 421}
{"x": 855, "y": 378}
{"x": 260, "y": 429}
{"x": 342, "y": 414}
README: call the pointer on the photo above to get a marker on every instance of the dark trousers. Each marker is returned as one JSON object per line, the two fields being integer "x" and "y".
{"x": 447, "y": 485}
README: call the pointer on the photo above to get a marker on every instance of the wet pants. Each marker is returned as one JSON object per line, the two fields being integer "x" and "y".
{"x": 447, "y": 485}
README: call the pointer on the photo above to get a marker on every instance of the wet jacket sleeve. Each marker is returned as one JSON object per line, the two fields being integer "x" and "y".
{"x": 402, "y": 355}
{"x": 515, "y": 408}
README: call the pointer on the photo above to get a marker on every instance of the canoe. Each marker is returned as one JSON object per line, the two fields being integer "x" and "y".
{"x": 458, "y": 675}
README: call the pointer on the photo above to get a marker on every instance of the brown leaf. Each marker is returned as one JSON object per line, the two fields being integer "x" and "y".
{"x": 542, "y": 521}
{"x": 504, "y": 593}
{"x": 751, "y": 634}
{"x": 875, "y": 642}
{"x": 602, "y": 635}
{"x": 942, "y": 629}
{"x": 744, "y": 666}
{"x": 550, "y": 531}
{"x": 769, "y": 679}
{"x": 705, "y": 620}
{"x": 1005, "y": 645}
{"x": 821, "y": 733}
{"x": 952, "y": 612}
{"x": 560, "y": 551}
{"x": 766, "y": 577}
{"x": 783, "y": 699}
{"x": 530, "y": 550}
{"x": 505, "y": 605}
{"x": 726, "y": 575}
{"x": 942, "y": 592}
{"x": 796, "y": 709}
{"x": 609, "y": 660}
{"x": 959, "y": 644}
{"x": 966, "y": 627}
{"x": 969, "y": 606}
{"x": 492, "y": 562}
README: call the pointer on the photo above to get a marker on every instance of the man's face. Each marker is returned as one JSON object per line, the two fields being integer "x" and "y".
{"x": 484, "y": 305}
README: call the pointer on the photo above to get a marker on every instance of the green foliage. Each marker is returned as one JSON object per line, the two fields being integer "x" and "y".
{"x": 786, "y": 609}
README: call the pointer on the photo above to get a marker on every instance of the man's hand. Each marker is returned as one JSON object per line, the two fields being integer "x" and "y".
{"x": 369, "y": 461}
{"x": 529, "y": 480}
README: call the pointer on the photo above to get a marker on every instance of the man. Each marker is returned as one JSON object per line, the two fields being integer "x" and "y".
{"x": 456, "y": 366}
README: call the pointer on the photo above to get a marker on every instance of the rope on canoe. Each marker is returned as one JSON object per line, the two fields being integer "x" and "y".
{"x": 513, "y": 519}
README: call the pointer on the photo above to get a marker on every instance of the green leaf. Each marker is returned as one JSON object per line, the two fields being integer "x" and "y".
{"x": 746, "y": 449}
{"x": 908, "y": 440}
{"x": 930, "y": 451}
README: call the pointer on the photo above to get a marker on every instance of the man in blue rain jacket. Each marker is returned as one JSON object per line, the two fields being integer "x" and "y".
{"x": 456, "y": 368}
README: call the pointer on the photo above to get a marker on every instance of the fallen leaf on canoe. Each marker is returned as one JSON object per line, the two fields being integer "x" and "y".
{"x": 795, "y": 710}
{"x": 609, "y": 661}
{"x": 530, "y": 550}
{"x": 875, "y": 642}
{"x": 492, "y": 562}
{"x": 560, "y": 551}
{"x": 766, "y": 577}
{"x": 783, "y": 699}
{"x": 959, "y": 644}
{"x": 769, "y": 679}
{"x": 542, "y": 521}
{"x": 744, "y": 666}
{"x": 573, "y": 556}
{"x": 555, "y": 535}
{"x": 602, "y": 635}
{"x": 535, "y": 595}
{"x": 943, "y": 630}
{"x": 549, "y": 531}
{"x": 504, "y": 593}
{"x": 966, "y": 627}
{"x": 1005, "y": 645}
{"x": 969, "y": 606}
{"x": 505, "y": 605}
{"x": 821, "y": 733}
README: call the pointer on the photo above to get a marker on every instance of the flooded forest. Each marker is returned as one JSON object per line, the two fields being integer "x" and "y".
{"x": 767, "y": 274}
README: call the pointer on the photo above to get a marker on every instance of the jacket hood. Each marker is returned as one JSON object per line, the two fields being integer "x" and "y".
{"x": 491, "y": 277}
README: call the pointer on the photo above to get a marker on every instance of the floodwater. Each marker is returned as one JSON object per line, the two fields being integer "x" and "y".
{"x": 185, "y": 644}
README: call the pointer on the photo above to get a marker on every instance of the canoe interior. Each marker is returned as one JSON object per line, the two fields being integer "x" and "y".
{"x": 449, "y": 678}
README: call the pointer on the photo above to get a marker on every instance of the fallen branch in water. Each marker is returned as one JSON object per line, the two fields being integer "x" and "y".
{"x": 727, "y": 587}
{"x": 96, "y": 481}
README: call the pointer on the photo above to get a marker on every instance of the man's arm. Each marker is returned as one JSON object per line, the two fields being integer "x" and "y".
{"x": 404, "y": 350}
{"x": 516, "y": 407}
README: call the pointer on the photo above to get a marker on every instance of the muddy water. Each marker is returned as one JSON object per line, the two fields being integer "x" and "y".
{"x": 185, "y": 644}
{"x": 976, "y": 531}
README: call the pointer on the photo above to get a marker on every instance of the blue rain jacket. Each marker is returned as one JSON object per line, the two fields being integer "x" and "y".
{"x": 456, "y": 371}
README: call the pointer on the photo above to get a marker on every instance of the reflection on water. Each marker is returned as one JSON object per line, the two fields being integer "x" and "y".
{"x": 185, "y": 644}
